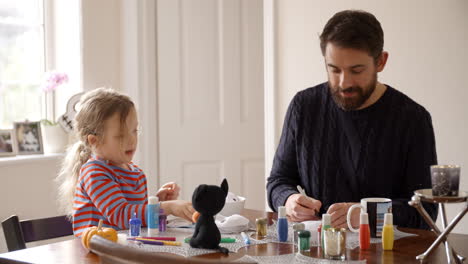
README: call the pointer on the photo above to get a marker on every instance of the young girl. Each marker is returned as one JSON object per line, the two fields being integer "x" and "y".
{"x": 98, "y": 179}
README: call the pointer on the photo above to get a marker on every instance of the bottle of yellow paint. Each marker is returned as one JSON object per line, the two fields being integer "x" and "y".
{"x": 387, "y": 232}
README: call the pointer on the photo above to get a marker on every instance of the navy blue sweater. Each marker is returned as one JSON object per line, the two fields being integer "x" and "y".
{"x": 388, "y": 155}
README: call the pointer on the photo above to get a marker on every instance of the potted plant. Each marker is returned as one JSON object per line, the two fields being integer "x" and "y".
{"x": 55, "y": 137}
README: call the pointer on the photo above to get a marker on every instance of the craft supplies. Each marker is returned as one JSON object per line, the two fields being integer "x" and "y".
{"x": 335, "y": 243}
{"x": 319, "y": 235}
{"x": 303, "y": 193}
{"x": 387, "y": 232}
{"x": 282, "y": 225}
{"x": 296, "y": 229}
{"x": 326, "y": 223}
{"x": 364, "y": 232}
{"x": 261, "y": 224}
{"x": 223, "y": 240}
{"x": 170, "y": 243}
{"x": 304, "y": 240}
{"x": 162, "y": 221}
{"x": 149, "y": 242}
{"x": 231, "y": 224}
{"x": 134, "y": 226}
{"x": 161, "y": 242}
{"x": 153, "y": 216}
{"x": 161, "y": 238}
{"x": 246, "y": 238}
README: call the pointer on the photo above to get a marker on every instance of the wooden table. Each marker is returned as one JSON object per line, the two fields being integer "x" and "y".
{"x": 405, "y": 249}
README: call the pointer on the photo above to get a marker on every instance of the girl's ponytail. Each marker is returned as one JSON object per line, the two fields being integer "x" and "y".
{"x": 76, "y": 156}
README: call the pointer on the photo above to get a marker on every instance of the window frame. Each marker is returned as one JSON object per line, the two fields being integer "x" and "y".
{"x": 57, "y": 55}
{"x": 48, "y": 101}
{"x": 55, "y": 11}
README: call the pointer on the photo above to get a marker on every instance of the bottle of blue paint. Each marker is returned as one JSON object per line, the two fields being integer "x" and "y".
{"x": 282, "y": 224}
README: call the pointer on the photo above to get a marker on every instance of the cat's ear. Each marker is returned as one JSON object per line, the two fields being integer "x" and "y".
{"x": 198, "y": 193}
{"x": 224, "y": 186}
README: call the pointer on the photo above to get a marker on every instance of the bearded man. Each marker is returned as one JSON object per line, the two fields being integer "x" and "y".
{"x": 352, "y": 137}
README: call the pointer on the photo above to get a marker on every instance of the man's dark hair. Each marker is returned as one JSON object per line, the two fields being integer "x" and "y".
{"x": 354, "y": 29}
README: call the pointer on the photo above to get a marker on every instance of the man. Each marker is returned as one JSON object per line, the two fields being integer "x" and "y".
{"x": 352, "y": 137}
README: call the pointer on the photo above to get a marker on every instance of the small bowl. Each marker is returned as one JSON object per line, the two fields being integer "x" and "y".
{"x": 231, "y": 208}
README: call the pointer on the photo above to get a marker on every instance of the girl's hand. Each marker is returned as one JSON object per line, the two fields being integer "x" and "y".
{"x": 179, "y": 208}
{"x": 169, "y": 191}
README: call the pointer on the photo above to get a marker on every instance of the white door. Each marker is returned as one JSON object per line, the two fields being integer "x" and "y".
{"x": 210, "y": 95}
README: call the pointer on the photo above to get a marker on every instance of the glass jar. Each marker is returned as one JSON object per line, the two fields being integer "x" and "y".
{"x": 261, "y": 224}
{"x": 296, "y": 229}
{"x": 335, "y": 243}
{"x": 304, "y": 240}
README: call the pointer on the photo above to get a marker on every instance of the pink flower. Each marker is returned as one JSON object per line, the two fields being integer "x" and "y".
{"x": 53, "y": 80}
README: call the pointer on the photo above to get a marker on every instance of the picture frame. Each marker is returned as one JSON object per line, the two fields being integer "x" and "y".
{"x": 28, "y": 138}
{"x": 7, "y": 143}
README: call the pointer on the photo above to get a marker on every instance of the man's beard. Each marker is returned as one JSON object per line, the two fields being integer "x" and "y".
{"x": 353, "y": 103}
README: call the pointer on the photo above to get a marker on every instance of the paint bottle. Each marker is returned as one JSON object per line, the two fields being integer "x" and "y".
{"x": 297, "y": 228}
{"x": 304, "y": 240}
{"x": 282, "y": 224}
{"x": 153, "y": 216}
{"x": 134, "y": 226}
{"x": 326, "y": 223}
{"x": 162, "y": 221}
{"x": 319, "y": 235}
{"x": 387, "y": 232}
{"x": 364, "y": 231}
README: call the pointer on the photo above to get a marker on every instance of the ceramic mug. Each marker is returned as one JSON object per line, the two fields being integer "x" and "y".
{"x": 375, "y": 208}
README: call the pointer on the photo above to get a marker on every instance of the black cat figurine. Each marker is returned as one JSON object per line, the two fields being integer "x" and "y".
{"x": 208, "y": 200}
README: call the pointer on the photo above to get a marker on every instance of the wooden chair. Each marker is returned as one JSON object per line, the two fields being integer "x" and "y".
{"x": 12, "y": 261}
{"x": 110, "y": 252}
{"x": 18, "y": 233}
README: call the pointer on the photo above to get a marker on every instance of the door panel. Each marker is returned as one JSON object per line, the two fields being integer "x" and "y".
{"x": 210, "y": 95}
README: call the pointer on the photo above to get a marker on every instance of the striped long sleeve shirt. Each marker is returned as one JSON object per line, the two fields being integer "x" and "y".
{"x": 105, "y": 191}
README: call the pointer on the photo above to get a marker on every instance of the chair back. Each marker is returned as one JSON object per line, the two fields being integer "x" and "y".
{"x": 18, "y": 233}
{"x": 115, "y": 253}
{"x": 12, "y": 261}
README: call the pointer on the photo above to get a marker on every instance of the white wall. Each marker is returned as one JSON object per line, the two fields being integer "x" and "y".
{"x": 100, "y": 34}
{"x": 427, "y": 41}
{"x": 28, "y": 189}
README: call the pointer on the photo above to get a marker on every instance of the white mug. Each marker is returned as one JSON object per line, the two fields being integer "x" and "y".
{"x": 376, "y": 208}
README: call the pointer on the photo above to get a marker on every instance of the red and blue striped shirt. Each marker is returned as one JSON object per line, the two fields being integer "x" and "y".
{"x": 105, "y": 191}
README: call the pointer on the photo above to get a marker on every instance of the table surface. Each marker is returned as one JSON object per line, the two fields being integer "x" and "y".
{"x": 405, "y": 249}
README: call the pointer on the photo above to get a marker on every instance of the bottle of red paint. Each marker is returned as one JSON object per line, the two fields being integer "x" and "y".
{"x": 364, "y": 231}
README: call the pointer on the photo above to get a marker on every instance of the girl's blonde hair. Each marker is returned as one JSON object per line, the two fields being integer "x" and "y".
{"x": 96, "y": 107}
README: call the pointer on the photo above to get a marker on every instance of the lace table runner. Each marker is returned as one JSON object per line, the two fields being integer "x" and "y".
{"x": 293, "y": 259}
{"x": 352, "y": 241}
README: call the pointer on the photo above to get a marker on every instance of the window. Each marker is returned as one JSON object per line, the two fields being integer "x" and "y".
{"x": 22, "y": 60}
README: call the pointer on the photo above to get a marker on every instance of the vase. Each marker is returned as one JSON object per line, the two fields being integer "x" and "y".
{"x": 55, "y": 139}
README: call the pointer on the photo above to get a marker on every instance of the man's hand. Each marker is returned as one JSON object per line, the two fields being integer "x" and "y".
{"x": 300, "y": 208}
{"x": 339, "y": 212}
{"x": 169, "y": 191}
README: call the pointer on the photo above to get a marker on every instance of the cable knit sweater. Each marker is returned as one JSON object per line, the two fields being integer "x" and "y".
{"x": 388, "y": 155}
